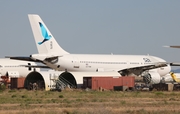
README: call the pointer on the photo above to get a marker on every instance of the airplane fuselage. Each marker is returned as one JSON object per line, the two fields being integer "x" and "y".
{"x": 89, "y": 62}
{"x": 15, "y": 66}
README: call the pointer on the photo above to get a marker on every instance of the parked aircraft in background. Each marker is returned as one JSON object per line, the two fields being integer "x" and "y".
{"x": 51, "y": 54}
{"x": 9, "y": 67}
{"x": 173, "y": 46}
{"x": 174, "y": 63}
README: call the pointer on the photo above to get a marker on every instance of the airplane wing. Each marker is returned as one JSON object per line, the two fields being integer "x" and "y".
{"x": 138, "y": 70}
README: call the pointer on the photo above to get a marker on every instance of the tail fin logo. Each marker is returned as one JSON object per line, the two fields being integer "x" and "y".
{"x": 44, "y": 34}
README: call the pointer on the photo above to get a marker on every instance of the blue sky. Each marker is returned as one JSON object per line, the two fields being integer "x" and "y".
{"x": 135, "y": 27}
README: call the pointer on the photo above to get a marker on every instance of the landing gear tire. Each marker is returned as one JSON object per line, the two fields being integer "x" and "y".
{"x": 151, "y": 88}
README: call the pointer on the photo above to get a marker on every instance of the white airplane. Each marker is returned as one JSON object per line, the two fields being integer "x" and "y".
{"x": 173, "y": 46}
{"x": 174, "y": 63}
{"x": 9, "y": 67}
{"x": 51, "y": 54}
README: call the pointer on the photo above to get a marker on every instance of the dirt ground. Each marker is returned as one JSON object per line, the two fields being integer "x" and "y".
{"x": 89, "y": 102}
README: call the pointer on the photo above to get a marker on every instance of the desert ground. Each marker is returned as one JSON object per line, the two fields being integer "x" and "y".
{"x": 89, "y": 102}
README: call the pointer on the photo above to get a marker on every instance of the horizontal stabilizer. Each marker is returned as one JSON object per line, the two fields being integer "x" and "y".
{"x": 36, "y": 66}
{"x": 47, "y": 61}
{"x": 23, "y": 58}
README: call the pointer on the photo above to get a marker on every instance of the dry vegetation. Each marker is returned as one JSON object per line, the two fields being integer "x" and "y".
{"x": 88, "y": 102}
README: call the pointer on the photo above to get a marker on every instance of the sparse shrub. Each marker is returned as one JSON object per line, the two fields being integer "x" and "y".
{"x": 39, "y": 101}
{"x": 21, "y": 105}
{"x": 94, "y": 100}
{"x": 143, "y": 111}
{"x": 123, "y": 102}
{"x": 172, "y": 99}
{"x": 173, "y": 94}
{"x": 129, "y": 111}
{"x": 136, "y": 93}
{"x": 48, "y": 92}
{"x": 66, "y": 101}
{"x": 26, "y": 104}
{"x": 66, "y": 112}
{"x": 78, "y": 100}
{"x": 61, "y": 96}
{"x": 13, "y": 90}
{"x": 13, "y": 96}
{"x": 24, "y": 96}
{"x": 165, "y": 102}
{"x": 85, "y": 100}
{"x": 159, "y": 93}
{"x": 75, "y": 112}
{"x": 53, "y": 100}
{"x": 2, "y": 87}
{"x": 28, "y": 99}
